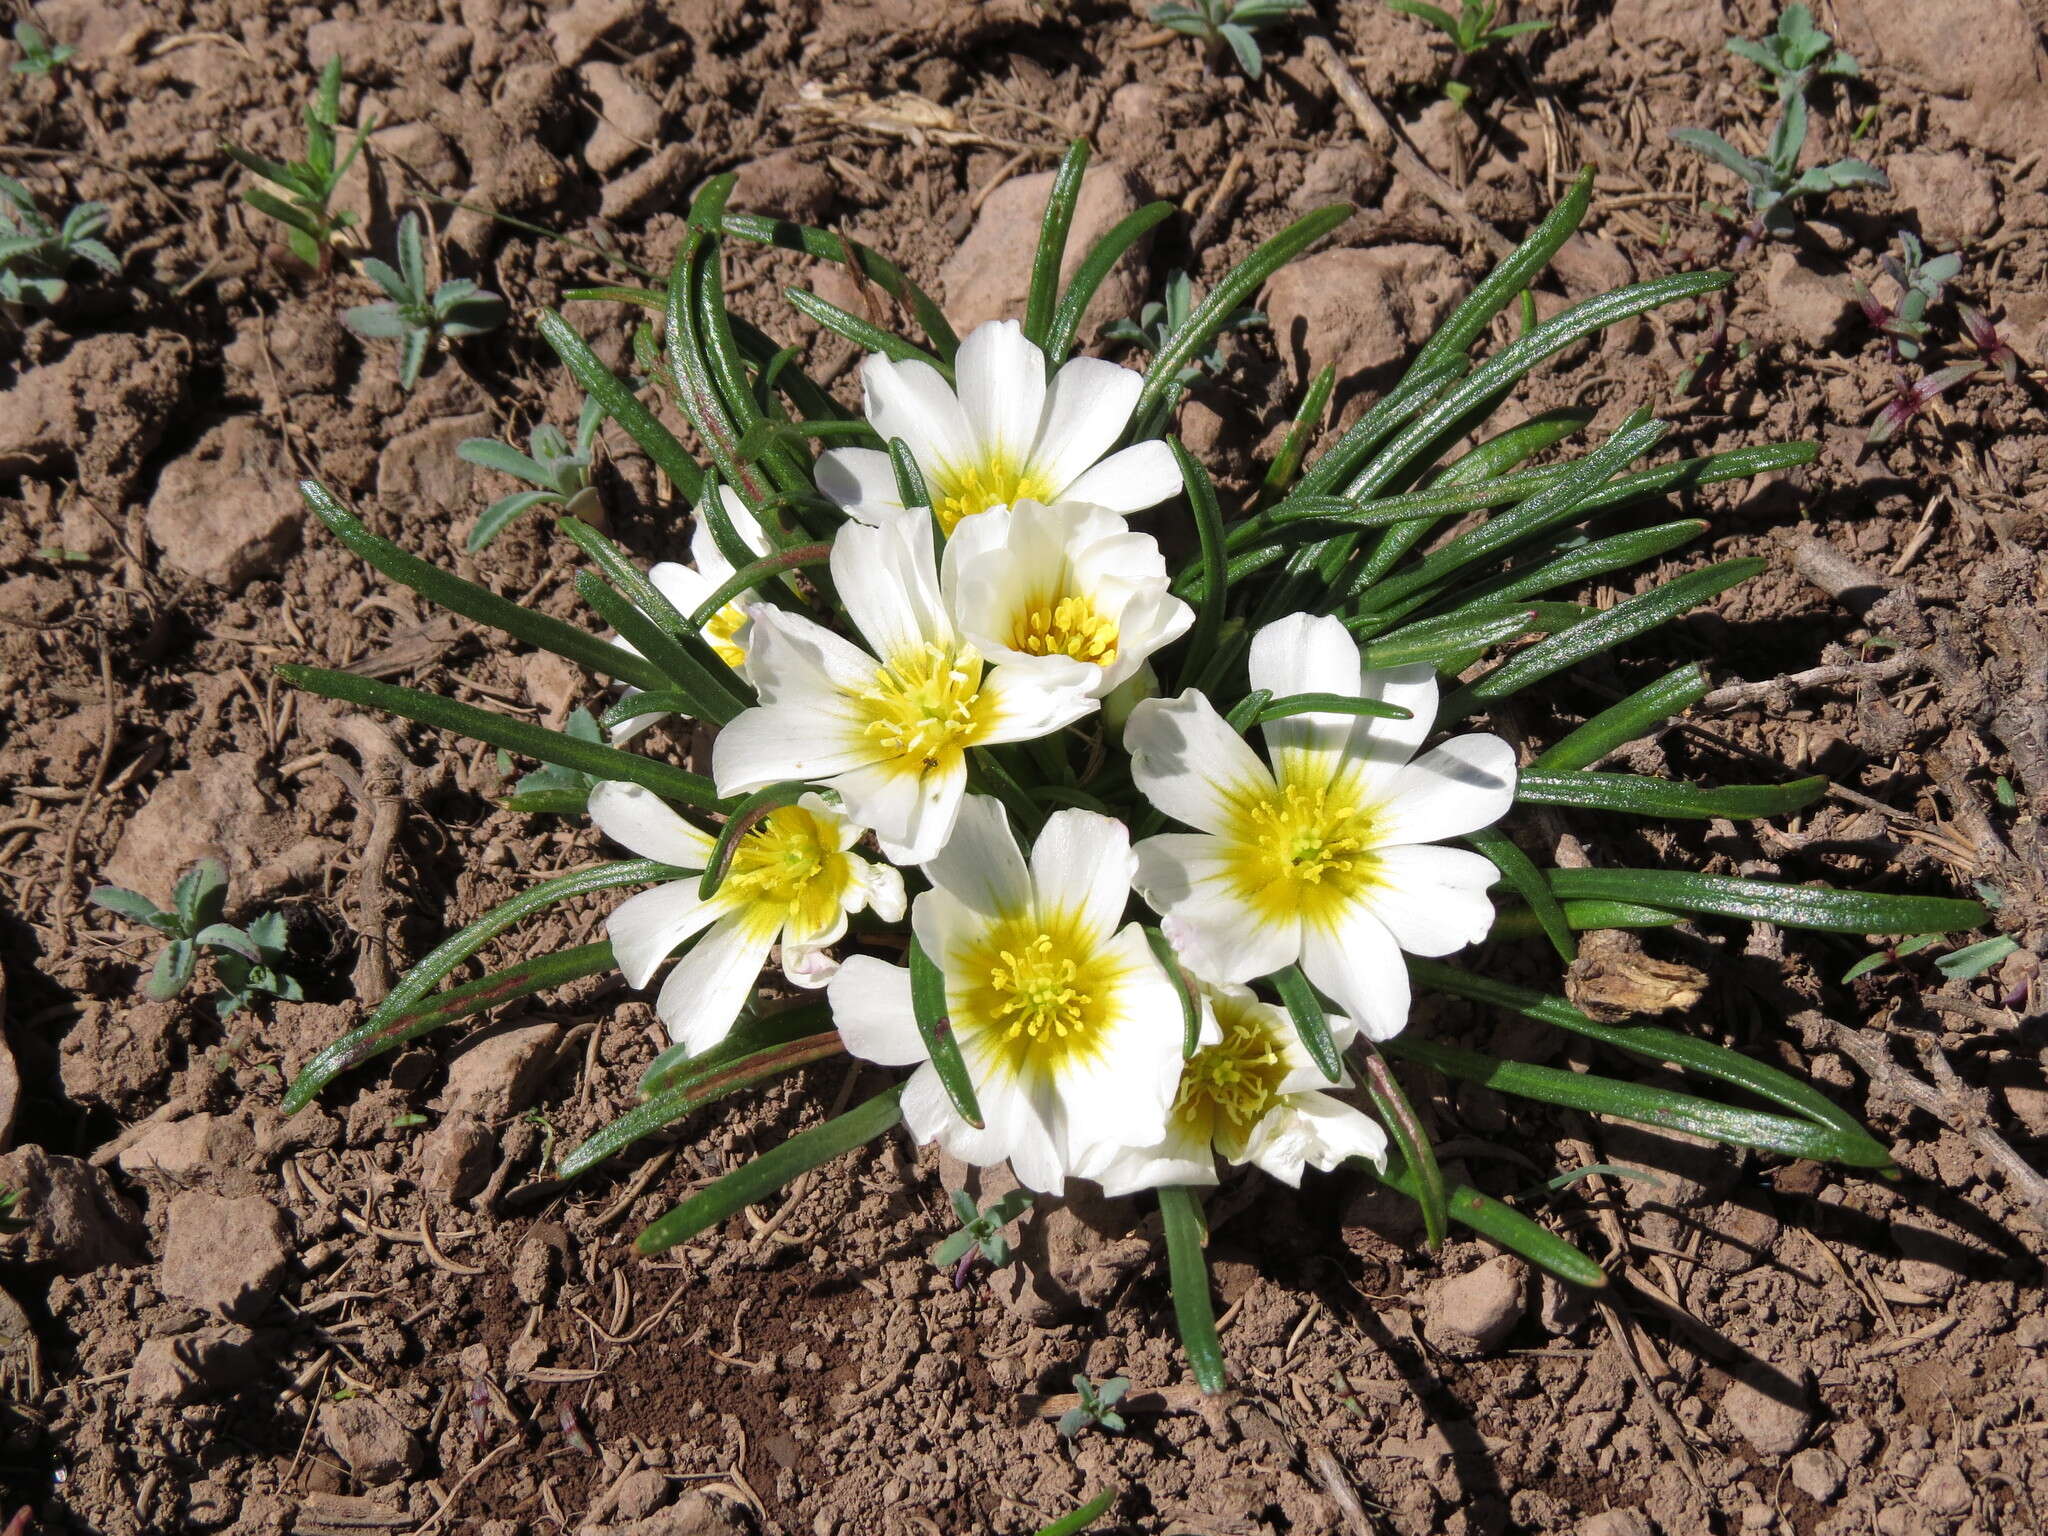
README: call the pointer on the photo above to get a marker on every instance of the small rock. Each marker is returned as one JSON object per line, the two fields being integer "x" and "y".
{"x": 495, "y": 1077}
{"x": 695, "y": 1514}
{"x": 537, "y": 1264}
{"x": 217, "y": 809}
{"x": 989, "y": 276}
{"x": 1770, "y": 1412}
{"x": 575, "y": 31}
{"x": 76, "y": 1220}
{"x": 1617, "y": 1522}
{"x": 1560, "y": 1308}
{"x": 640, "y": 1494}
{"x": 1359, "y": 311}
{"x": 1951, "y": 195}
{"x": 102, "y": 407}
{"x": 1473, "y": 1313}
{"x": 1984, "y": 79}
{"x": 1352, "y": 172}
{"x": 180, "y": 1147}
{"x": 1811, "y": 306}
{"x": 1945, "y": 1490}
{"x": 374, "y": 1445}
{"x": 189, "y": 1366}
{"x": 419, "y": 470}
{"x": 629, "y": 120}
{"x": 226, "y": 1255}
{"x": 1817, "y": 1472}
{"x": 455, "y": 1158}
{"x": 1587, "y": 264}
{"x": 226, "y": 512}
{"x": 655, "y": 185}
{"x": 788, "y": 184}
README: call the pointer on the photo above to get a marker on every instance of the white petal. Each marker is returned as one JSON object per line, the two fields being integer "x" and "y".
{"x": 871, "y": 1010}
{"x": 1034, "y": 697}
{"x": 1466, "y": 783}
{"x": 1015, "y": 1127}
{"x": 888, "y": 581}
{"x": 1186, "y": 877}
{"x": 1433, "y": 900}
{"x": 1357, "y": 965}
{"x": 1082, "y": 864}
{"x": 862, "y": 481}
{"x": 764, "y": 746}
{"x": 683, "y": 587}
{"x": 715, "y": 980}
{"x": 1002, "y": 390}
{"x": 1384, "y": 745}
{"x": 912, "y": 813}
{"x": 1140, "y": 476}
{"x": 704, "y": 548}
{"x": 810, "y": 966}
{"x": 981, "y": 865}
{"x": 1087, "y": 407}
{"x": 1304, "y": 653}
{"x": 646, "y": 928}
{"x": 1124, "y": 1090}
{"x": 1313, "y": 1129}
{"x": 1180, "y": 1158}
{"x": 640, "y": 819}
{"x": 913, "y": 401}
{"x": 881, "y": 890}
{"x": 1189, "y": 763}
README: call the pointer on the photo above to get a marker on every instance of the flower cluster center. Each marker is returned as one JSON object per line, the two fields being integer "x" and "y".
{"x": 1035, "y": 988}
{"x": 1040, "y": 998}
{"x": 1304, "y": 851}
{"x": 1238, "y": 1078}
{"x": 1067, "y": 626}
{"x": 792, "y": 866}
{"x": 996, "y": 480}
{"x": 924, "y": 705}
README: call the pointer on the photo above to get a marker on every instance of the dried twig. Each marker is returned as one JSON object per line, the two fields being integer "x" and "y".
{"x": 380, "y": 789}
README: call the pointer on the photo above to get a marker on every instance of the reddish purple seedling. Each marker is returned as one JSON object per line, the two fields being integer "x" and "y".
{"x": 1914, "y": 396}
{"x": 1982, "y": 332}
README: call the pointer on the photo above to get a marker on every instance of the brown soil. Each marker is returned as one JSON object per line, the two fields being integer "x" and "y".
{"x": 1785, "y": 1348}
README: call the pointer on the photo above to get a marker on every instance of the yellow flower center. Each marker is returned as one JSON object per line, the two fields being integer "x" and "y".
{"x": 1036, "y": 988}
{"x": 790, "y": 869}
{"x": 925, "y": 707}
{"x": 1067, "y": 626}
{"x": 722, "y": 635}
{"x": 996, "y": 480}
{"x": 1237, "y": 1079}
{"x": 1305, "y": 851}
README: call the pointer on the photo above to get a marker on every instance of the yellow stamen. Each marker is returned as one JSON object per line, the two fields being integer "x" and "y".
{"x": 791, "y": 869}
{"x": 925, "y": 707}
{"x": 722, "y": 635}
{"x": 1237, "y": 1079}
{"x": 1303, "y": 852}
{"x": 1067, "y": 626}
{"x": 1037, "y": 988}
{"x": 996, "y": 480}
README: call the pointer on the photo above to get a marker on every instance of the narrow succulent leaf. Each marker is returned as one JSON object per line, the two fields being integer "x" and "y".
{"x": 650, "y": 701}
{"x": 1384, "y": 417}
{"x": 1305, "y": 1010}
{"x": 1411, "y": 1142}
{"x": 699, "y": 669}
{"x": 1602, "y": 632}
{"x": 388, "y": 1024}
{"x": 864, "y": 334}
{"x": 910, "y": 487}
{"x": 1286, "y": 463}
{"x": 1245, "y": 712}
{"x": 758, "y": 573}
{"x": 1440, "y": 644}
{"x": 1596, "y": 558}
{"x": 1514, "y": 273}
{"x": 745, "y": 816}
{"x": 1208, "y": 517}
{"x": 1090, "y": 275}
{"x": 1641, "y": 795}
{"x": 1505, "y": 1226}
{"x": 1579, "y": 917}
{"x": 687, "y": 674}
{"x": 622, "y": 405}
{"x": 518, "y": 736}
{"x": 1526, "y": 881}
{"x": 1329, "y": 704}
{"x": 1078, "y": 1520}
{"x": 1052, "y": 244}
{"x": 769, "y": 1172}
{"x": 877, "y": 269}
{"x": 935, "y": 1027}
{"x": 1655, "y": 1107}
{"x": 283, "y": 212}
{"x": 1190, "y": 1008}
{"x": 1619, "y": 724}
{"x": 1823, "y": 908}
{"x": 1187, "y": 1270}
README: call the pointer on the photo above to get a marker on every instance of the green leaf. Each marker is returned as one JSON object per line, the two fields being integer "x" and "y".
{"x": 1209, "y": 610}
{"x": 1287, "y": 461}
{"x": 771, "y": 1171}
{"x": 1411, "y": 1141}
{"x": 1073, "y": 1523}
{"x": 450, "y": 591}
{"x": 519, "y": 736}
{"x": 1635, "y": 716}
{"x": 412, "y": 356}
{"x": 928, "y": 1006}
{"x": 1246, "y": 47}
{"x": 1089, "y": 276}
{"x": 1820, "y": 907}
{"x": 174, "y": 964}
{"x": 129, "y": 904}
{"x": 1973, "y": 960}
{"x": 499, "y": 515}
{"x": 1640, "y": 795}
{"x": 864, "y": 334}
{"x": 1504, "y": 1225}
{"x": 756, "y": 573}
{"x": 687, "y": 671}
{"x": 1721, "y": 152}
{"x": 1329, "y": 704}
{"x": 1579, "y": 917}
{"x": 1510, "y": 277}
{"x": 1305, "y": 1009}
{"x": 200, "y": 894}
{"x": 622, "y": 405}
{"x": 1052, "y": 245}
{"x": 1526, "y": 881}
{"x": 232, "y": 939}
{"x": 1435, "y": 643}
{"x": 838, "y": 251}
{"x": 1188, "y": 1274}
{"x": 1434, "y": 15}
{"x": 377, "y": 322}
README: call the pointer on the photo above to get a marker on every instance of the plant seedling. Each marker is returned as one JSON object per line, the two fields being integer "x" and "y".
{"x": 1160, "y": 319}
{"x": 35, "y": 254}
{"x": 39, "y": 56}
{"x": 1231, "y": 24}
{"x": 980, "y": 1233}
{"x": 1982, "y": 334}
{"x": 414, "y": 318}
{"x": 1097, "y": 1406}
{"x": 559, "y": 473}
{"x": 1913, "y": 397}
{"x": 307, "y": 186}
{"x": 246, "y": 960}
{"x": 1965, "y": 964}
{"x": 551, "y": 787}
{"x": 1794, "y": 52}
{"x": 1921, "y": 283}
{"x": 1471, "y": 32}
{"x": 9, "y": 1222}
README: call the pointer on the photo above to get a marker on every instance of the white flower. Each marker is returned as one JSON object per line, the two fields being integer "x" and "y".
{"x": 1252, "y": 1093}
{"x": 793, "y": 880}
{"x": 1006, "y": 436}
{"x": 1324, "y": 859}
{"x": 689, "y": 589}
{"x": 1064, "y": 580}
{"x": 1068, "y": 1027}
{"x": 887, "y": 728}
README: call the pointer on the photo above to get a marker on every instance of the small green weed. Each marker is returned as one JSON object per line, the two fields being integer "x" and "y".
{"x": 1097, "y": 1406}
{"x": 246, "y": 961}
{"x": 980, "y": 1233}
{"x": 1471, "y": 31}
{"x": 559, "y": 472}
{"x": 1229, "y": 24}
{"x": 39, "y": 56}
{"x": 308, "y": 185}
{"x": 36, "y": 255}
{"x": 1161, "y": 318}
{"x": 414, "y": 318}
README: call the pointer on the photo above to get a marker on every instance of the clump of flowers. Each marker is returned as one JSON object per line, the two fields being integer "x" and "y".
{"x": 1117, "y": 866}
